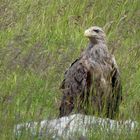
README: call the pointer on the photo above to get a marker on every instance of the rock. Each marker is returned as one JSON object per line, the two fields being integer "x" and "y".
{"x": 74, "y": 125}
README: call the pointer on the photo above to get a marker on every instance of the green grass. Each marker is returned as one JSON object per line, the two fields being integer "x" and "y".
{"x": 38, "y": 41}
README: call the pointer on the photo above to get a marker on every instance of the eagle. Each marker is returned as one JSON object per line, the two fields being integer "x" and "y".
{"x": 92, "y": 84}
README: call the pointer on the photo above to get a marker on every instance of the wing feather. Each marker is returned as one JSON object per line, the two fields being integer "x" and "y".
{"x": 116, "y": 90}
{"x": 73, "y": 86}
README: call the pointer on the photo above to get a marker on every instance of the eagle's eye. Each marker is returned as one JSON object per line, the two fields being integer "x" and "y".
{"x": 96, "y": 30}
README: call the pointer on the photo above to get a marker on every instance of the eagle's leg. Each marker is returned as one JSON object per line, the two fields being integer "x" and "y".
{"x": 67, "y": 105}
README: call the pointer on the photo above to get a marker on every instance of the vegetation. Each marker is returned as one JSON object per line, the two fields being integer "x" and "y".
{"x": 38, "y": 41}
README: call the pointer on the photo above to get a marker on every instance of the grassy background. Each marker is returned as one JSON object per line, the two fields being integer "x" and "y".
{"x": 38, "y": 41}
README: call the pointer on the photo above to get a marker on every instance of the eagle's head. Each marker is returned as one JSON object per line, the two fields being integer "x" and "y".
{"x": 95, "y": 34}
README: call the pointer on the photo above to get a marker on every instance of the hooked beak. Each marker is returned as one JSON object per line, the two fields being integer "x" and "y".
{"x": 89, "y": 33}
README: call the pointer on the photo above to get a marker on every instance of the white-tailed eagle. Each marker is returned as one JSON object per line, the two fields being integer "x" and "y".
{"x": 92, "y": 83}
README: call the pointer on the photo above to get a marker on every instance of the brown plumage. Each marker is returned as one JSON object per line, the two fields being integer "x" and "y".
{"x": 92, "y": 82}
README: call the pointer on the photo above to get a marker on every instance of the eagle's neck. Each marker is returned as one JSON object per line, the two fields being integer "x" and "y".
{"x": 98, "y": 44}
{"x": 90, "y": 45}
{"x": 96, "y": 50}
